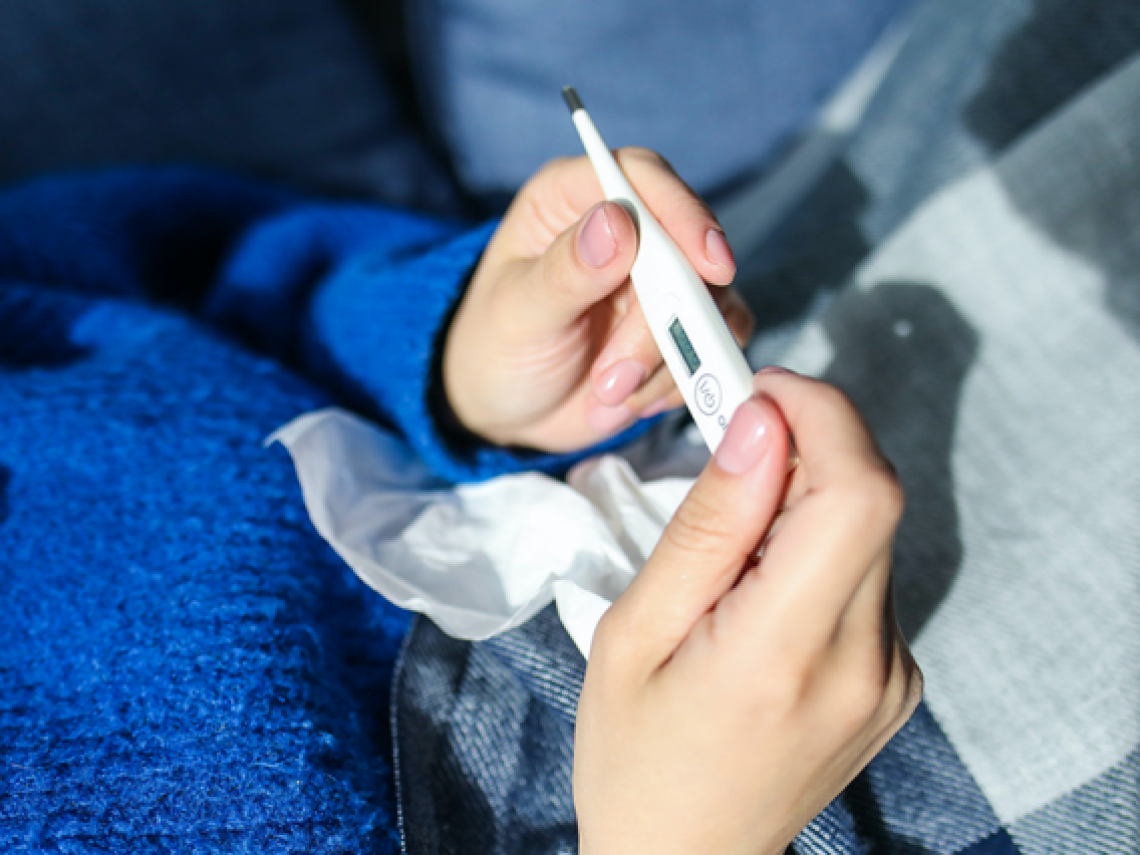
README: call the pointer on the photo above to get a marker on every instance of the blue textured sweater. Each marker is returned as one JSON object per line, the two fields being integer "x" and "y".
{"x": 184, "y": 664}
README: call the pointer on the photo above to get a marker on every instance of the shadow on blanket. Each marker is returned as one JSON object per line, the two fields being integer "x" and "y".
{"x": 902, "y": 353}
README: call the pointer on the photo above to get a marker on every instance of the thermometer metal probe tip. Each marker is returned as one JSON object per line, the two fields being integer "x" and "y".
{"x": 570, "y": 96}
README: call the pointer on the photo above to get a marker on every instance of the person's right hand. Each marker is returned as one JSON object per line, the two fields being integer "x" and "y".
{"x": 728, "y": 700}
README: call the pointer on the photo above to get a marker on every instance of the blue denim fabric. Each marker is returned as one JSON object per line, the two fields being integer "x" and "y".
{"x": 1090, "y": 818}
{"x": 484, "y": 755}
{"x": 484, "y": 737}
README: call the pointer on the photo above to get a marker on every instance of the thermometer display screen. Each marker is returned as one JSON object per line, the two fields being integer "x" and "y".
{"x": 692, "y": 361}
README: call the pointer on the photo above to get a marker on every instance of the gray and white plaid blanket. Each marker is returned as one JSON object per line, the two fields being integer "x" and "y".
{"x": 969, "y": 272}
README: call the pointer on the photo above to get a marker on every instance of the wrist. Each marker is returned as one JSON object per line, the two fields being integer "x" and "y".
{"x": 446, "y": 403}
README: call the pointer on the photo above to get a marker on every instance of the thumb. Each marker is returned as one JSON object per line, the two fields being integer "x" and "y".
{"x": 714, "y": 534}
{"x": 584, "y": 265}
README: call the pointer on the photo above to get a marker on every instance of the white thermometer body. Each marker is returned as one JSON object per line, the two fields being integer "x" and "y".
{"x": 690, "y": 331}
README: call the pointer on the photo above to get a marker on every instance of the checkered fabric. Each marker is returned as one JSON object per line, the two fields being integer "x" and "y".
{"x": 969, "y": 273}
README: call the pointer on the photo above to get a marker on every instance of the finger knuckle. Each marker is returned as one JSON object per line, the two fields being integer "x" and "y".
{"x": 557, "y": 164}
{"x": 861, "y": 699}
{"x": 825, "y": 402}
{"x": 831, "y": 402}
{"x": 883, "y": 496}
{"x": 784, "y": 689}
{"x": 696, "y": 526}
{"x": 829, "y": 397}
{"x": 874, "y": 499}
{"x": 604, "y": 634}
{"x": 558, "y": 277}
{"x": 645, "y": 155}
{"x": 550, "y": 171}
{"x": 614, "y": 643}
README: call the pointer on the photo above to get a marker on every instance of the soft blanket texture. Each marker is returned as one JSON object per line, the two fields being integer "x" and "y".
{"x": 969, "y": 272}
{"x": 184, "y": 665}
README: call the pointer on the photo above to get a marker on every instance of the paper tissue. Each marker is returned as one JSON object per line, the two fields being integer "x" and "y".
{"x": 480, "y": 559}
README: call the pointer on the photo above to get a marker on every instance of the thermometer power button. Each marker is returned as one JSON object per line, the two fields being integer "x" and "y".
{"x": 707, "y": 394}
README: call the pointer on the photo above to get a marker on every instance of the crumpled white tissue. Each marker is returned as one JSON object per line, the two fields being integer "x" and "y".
{"x": 480, "y": 559}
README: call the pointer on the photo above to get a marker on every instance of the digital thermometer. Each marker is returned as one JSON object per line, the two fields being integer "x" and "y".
{"x": 690, "y": 331}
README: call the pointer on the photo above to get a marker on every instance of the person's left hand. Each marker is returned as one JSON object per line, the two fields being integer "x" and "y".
{"x": 549, "y": 348}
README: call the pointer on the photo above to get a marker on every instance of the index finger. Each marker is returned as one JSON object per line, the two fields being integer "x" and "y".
{"x": 683, "y": 214}
{"x": 831, "y": 440}
{"x": 835, "y": 536}
{"x": 565, "y": 189}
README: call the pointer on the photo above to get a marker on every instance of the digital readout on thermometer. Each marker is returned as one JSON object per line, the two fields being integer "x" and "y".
{"x": 688, "y": 353}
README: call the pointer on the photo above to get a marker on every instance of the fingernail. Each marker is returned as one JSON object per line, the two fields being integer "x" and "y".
{"x": 619, "y": 381}
{"x": 658, "y": 406}
{"x": 718, "y": 250}
{"x": 746, "y": 440}
{"x": 596, "y": 242}
{"x": 606, "y": 420}
{"x": 775, "y": 369}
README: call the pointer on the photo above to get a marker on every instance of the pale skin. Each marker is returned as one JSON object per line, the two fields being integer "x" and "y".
{"x": 541, "y": 329}
{"x": 728, "y": 698}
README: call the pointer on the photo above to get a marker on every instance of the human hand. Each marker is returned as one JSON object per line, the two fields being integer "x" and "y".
{"x": 549, "y": 348}
{"x": 727, "y": 699}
